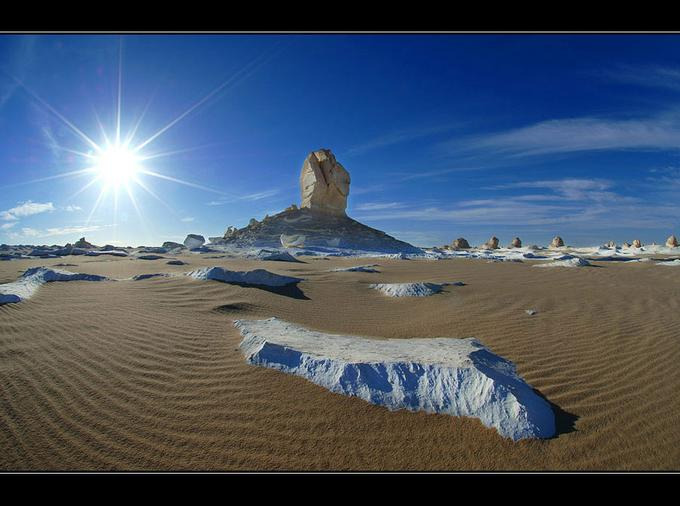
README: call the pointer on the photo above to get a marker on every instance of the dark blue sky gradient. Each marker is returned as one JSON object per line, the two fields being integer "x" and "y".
{"x": 443, "y": 135}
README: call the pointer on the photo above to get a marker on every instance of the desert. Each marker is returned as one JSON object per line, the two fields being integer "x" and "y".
{"x": 255, "y": 253}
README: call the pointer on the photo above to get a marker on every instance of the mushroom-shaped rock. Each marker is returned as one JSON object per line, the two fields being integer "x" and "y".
{"x": 324, "y": 183}
{"x": 491, "y": 243}
{"x": 637, "y": 243}
{"x": 516, "y": 243}
{"x": 194, "y": 241}
{"x": 460, "y": 243}
{"x": 611, "y": 244}
{"x": 672, "y": 242}
{"x": 557, "y": 242}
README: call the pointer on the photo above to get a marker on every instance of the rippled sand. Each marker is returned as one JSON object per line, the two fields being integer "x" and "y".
{"x": 146, "y": 375}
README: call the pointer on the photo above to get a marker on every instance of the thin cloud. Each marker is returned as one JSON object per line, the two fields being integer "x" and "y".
{"x": 579, "y": 134}
{"x": 396, "y": 137}
{"x": 653, "y": 76}
{"x": 188, "y": 219}
{"x": 250, "y": 198}
{"x": 27, "y": 208}
{"x": 377, "y": 206}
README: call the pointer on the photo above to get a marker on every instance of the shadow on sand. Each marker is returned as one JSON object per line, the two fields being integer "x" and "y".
{"x": 565, "y": 422}
{"x": 290, "y": 290}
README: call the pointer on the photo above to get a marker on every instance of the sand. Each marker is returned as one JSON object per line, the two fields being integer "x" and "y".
{"x": 147, "y": 375}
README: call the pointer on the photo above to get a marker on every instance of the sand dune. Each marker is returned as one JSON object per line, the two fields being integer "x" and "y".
{"x": 148, "y": 375}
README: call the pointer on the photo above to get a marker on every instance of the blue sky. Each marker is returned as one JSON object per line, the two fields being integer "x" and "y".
{"x": 443, "y": 135}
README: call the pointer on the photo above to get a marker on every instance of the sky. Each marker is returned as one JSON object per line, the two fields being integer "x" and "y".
{"x": 443, "y": 135}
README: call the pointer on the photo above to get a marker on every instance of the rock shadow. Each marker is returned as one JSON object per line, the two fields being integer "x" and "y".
{"x": 565, "y": 422}
{"x": 291, "y": 290}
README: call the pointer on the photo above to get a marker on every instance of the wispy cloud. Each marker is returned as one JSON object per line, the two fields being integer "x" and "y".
{"x": 188, "y": 219}
{"x": 654, "y": 76}
{"x": 28, "y": 232}
{"x": 396, "y": 137}
{"x": 579, "y": 134}
{"x": 27, "y": 208}
{"x": 567, "y": 189}
{"x": 250, "y": 198}
{"x": 377, "y": 206}
{"x": 7, "y": 226}
{"x": 588, "y": 203}
{"x": 72, "y": 209}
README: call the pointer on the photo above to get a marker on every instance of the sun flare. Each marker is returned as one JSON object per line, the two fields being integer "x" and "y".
{"x": 116, "y": 165}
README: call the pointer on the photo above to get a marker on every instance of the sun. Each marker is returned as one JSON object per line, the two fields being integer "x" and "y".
{"x": 116, "y": 165}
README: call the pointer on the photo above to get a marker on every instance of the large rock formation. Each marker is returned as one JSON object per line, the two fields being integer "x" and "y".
{"x": 194, "y": 241}
{"x": 460, "y": 243}
{"x": 324, "y": 183}
{"x": 516, "y": 243}
{"x": 491, "y": 243}
{"x": 672, "y": 242}
{"x": 321, "y": 220}
{"x": 637, "y": 243}
{"x": 557, "y": 242}
{"x": 82, "y": 243}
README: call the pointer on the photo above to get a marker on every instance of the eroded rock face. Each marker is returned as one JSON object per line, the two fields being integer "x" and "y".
{"x": 324, "y": 183}
{"x": 637, "y": 243}
{"x": 194, "y": 241}
{"x": 557, "y": 242}
{"x": 230, "y": 231}
{"x": 672, "y": 242}
{"x": 82, "y": 243}
{"x": 172, "y": 245}
{"x": 460, "y": 243}
{"x": 611, "y": 244}
{"x": 516, "y": 243}
{"x": 491, "y": 243}
{"x": 320, "y": 221}
{"x": 292, "y": 241}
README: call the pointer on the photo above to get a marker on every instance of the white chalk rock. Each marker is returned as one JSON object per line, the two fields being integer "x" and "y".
{"x": 34, "y": 278}
{"x": 410, "y": 289}
{"x": 357, "y": 268}
{"x": 557, "y": 242}
{"x": 458, "y": 377}
{"x": 292, "y": 241}
{"x": 672, "y": 242}
{"x": 254, "y": 277}
{"x": 566, "y": 261}
{"x": 491, "y": 243}
{"x": 324, "y": 183}
{"x": 194, "y": 241}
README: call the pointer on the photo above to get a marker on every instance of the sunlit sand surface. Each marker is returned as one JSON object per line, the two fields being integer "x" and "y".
{"x": 147, "y": 375}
